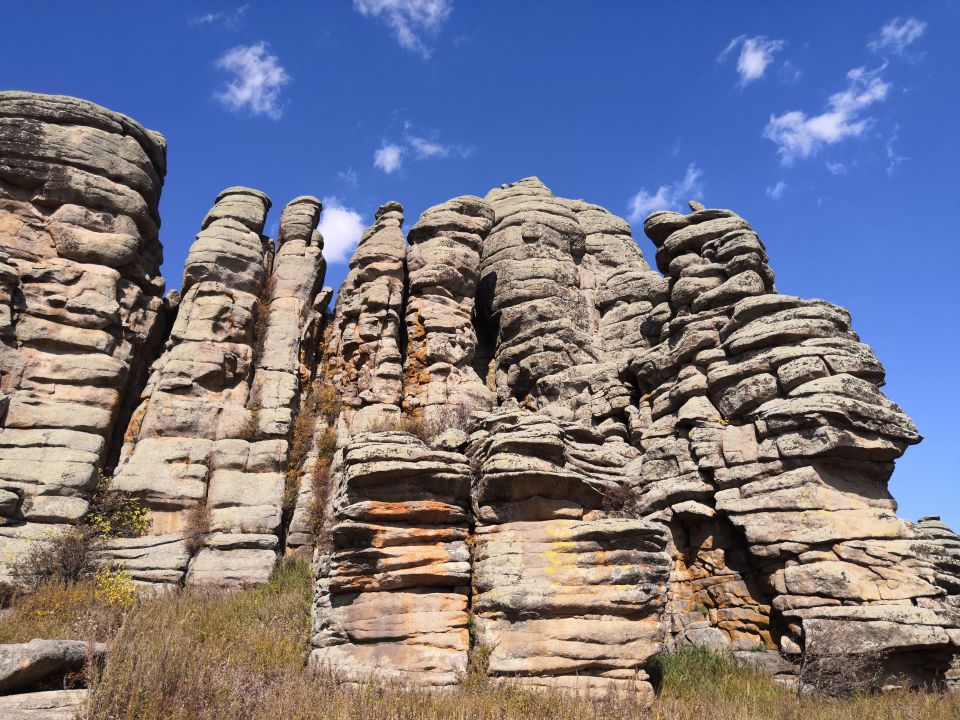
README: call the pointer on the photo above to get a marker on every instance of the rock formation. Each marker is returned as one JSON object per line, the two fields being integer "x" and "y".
{"x": 516, "y": 448}
{"x": 81, "y": 307}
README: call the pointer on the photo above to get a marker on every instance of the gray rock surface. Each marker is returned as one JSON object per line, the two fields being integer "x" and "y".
{"x": 81, "y": 309}
{"x": 47, "y": 705}
{"x": 25, "y": 665}
{"x": 509, "y": 423}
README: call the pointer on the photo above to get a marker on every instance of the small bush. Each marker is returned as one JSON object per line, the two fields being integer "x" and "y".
{"x": 113, "y": 585}
{"x": 320, "y": 488}
{"x": 114, "y": 513}
{"x": 66, "y": 557}
{"x": 841, "y": 674}
{"x": 449, "y": 417}
{"x": 326, "y": 444}
{"x": 8, "y": 593}
{"x": 196, "y": 527}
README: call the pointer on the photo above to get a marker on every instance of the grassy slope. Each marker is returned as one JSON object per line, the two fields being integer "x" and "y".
{"x": 198, "y": 655}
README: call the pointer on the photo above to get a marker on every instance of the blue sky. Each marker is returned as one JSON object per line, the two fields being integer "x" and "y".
{"x": 832, "y": 127}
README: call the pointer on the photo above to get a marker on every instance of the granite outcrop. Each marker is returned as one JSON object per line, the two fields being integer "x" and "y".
{"x": 512, "y": 446}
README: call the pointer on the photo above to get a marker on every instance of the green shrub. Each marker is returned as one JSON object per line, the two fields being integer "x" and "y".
{"x": 114, "y": 513}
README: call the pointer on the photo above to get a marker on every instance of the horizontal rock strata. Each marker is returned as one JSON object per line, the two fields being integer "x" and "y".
{"x": 393, "y": 578}
{"x": 81, "y": 307}
{"x": 516, "y": 448}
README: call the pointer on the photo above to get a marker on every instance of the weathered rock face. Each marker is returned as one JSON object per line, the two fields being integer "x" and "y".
{"x": 657, "y": 459}
{"x": 363, "y": 358}
{"x": 516, "y": 447}
{"x": 394, "y": 575}
{"x": 209, "y": 447}
{"x": 443, "y": 263}
{"x": 81, "y": 312}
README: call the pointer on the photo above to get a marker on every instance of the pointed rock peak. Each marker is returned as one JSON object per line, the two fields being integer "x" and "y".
{"x": 532, "y": 182}
{"x": 695, "y": 206}
{"x": 245, "y": 205}
{"x": 660, "y": 224}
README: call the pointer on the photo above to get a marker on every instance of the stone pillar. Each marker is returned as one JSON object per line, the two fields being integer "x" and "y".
{"x": 393, "y": 573}
{"x": 363, "y": 356}
{"x": 81, "y": 312}
{"x": 566, "y": 595}
{"x": 443, "y": 263}
{"x": 192, "y": 452}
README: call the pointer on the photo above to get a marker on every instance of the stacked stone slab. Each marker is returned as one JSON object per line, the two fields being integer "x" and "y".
{"x": 530, "y": 289}
{"x": 363, "y": 357}
{"x": 393, "y": 577}
{"x": 81, "y": 312}
{"x": 565, "y": 595}
{"x": 631, "y": 460}
{"x": 191, "y": 452}
{"x": 443, "y": 262}
{"x": 766, "y": 413}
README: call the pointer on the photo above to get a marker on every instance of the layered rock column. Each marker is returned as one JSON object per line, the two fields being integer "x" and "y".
{"x": 565, "y": 594}
{"x": 81, "y": 313}
{"x": 530, "y": 289}
{"x": 443, "y": 263}
{"x": 191, "y": 452}
{"x": 393, "y": 578}
{"x": 363, "y": 357}
{"x": 766, "y": 411}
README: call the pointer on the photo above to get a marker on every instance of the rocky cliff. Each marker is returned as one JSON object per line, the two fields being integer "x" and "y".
{"x": 514, "y": 446}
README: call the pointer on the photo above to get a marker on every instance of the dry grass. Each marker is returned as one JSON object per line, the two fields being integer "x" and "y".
{"x": 201, "y": 655}
{"x": 54, "y": 610}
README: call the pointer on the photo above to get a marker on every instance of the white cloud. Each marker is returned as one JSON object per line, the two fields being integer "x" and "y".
{"x": 756, "y": 54}
{"x": 408, "y": 19}
{"x": 341, "y": 228}
{"x": 426, "y": 148}
{"x": 258, "y": 78}
{"x": 897, "y": 35}
{"x": 798, "y": 135}
{"x": 667, "y": 197}
{"x": 776, "y": 191}
{"x": 389, "y": 157}
{"x": 836, "y": 168}
{"x": 349, "y": 177}
{"x": 227, "y": 18}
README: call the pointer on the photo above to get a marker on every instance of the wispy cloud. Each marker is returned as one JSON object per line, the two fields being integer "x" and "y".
{"x": 897, "y": 35}
{"x": 341, "y": 228}
{"x": 227, "y": 18}
{"x": 776, "y": 191}
{"x": 893, "y": 159}
{"x": 798, "y": 135}
{"x": 756, "y": 53}
{"x": 408, "y": 19}
{"x": 391, "y": 154}
{"x": 836, "y": 168}
{"x": 349, "y": 177}
{"x": 667, "y": 197}
{"x": 388, "y": 157}
{"x": 257, "y": 80}
{"x": 427, "y": 148}
{"x": 424, "y": 148}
